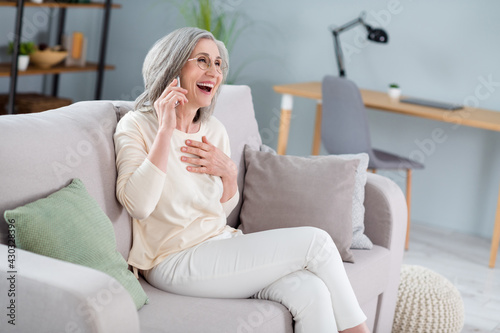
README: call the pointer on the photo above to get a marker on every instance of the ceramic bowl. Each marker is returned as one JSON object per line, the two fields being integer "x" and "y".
{"x": 47, "y": 58}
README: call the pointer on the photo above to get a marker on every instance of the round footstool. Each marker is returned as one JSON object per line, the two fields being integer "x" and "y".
{"x": 427, "y": 303}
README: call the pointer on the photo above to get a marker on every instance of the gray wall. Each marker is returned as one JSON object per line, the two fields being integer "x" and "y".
{"x": 443, "y": 50}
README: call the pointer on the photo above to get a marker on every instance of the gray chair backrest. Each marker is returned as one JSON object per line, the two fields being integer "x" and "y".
{"x": 344, "y": 126}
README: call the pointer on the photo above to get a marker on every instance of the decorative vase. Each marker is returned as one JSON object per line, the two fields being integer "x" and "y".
{"x": 394, "y": 93}
{"x": 23, "y": 62}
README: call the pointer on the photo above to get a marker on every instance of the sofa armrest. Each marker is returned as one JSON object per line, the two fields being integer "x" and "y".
{"x": 42, "y": 294}
{"x": 385, "y": 224}
{"x": 385, "y": 212}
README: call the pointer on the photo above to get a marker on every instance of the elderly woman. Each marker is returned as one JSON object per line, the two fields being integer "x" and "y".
{"x": 176, "y": 180}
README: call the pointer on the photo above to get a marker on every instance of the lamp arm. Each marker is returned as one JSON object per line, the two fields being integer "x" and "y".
{"x": 336, "y": 42}
{"x": 349, "y": 25}
{"x": 339, "y": 54}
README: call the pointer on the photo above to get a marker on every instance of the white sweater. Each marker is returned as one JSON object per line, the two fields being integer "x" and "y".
{"x": 171, "y": 211}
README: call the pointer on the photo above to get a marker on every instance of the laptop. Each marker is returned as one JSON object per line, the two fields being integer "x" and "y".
{"x": 432, "y": 104}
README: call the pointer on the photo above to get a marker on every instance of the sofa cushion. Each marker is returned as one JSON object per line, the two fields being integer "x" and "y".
{"x": 168, "y": 312}
{"x": 123, "y": 107}
{"x": 48, "y": 149}
{"x": 69, "y": 225}
{"x": 234, "y": 109}
{"x": 291, "y": 191}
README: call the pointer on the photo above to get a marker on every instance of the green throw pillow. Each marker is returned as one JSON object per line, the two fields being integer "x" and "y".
{"x": 69, "y": 225}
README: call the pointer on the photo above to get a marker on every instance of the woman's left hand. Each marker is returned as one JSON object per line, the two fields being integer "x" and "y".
{"x": 210, "y": 159}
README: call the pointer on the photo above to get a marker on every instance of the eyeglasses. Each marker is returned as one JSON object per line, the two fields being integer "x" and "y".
{"x": 204, "y": 62}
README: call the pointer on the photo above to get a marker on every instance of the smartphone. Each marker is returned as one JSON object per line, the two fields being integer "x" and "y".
{"x": 178, "y": 85}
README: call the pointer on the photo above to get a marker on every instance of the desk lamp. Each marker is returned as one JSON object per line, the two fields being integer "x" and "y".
{"x": 375, "y": 35}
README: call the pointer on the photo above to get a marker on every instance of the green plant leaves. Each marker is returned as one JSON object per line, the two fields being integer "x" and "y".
{"x": 25, "y": 48}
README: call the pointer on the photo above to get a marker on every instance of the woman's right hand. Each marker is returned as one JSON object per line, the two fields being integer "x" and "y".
{"x": 166, "y": 103}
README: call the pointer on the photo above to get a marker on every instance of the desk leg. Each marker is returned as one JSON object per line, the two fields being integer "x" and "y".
{"x": 408, "y": 205}
{"x": 317, "y": 129}
{"x": 286, "y": 115}
{"x": 495, "y": 240}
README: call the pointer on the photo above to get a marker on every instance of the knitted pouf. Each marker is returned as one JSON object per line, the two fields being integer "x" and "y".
{"x": 427, "y": 303}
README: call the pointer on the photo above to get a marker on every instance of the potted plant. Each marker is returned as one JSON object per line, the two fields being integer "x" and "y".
{"x": 394, "y": 91}
{"x": 25, "y": 50}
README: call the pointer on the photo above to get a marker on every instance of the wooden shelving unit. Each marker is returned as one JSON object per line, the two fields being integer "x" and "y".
{"x": 33, "y": 70}
{"x": 11, "y": 69}
{"x": 55, "y": 4}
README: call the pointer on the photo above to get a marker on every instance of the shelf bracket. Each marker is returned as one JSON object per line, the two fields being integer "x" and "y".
{"x": 15, "y": 56}
{"x": 102, "y": 53}
{"x": 60, "y": 32}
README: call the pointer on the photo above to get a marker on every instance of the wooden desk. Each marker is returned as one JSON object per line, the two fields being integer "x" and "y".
{"x": 473, "y": 117}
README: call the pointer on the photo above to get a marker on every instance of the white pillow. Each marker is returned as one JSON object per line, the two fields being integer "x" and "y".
{"x": 359, "y": 239}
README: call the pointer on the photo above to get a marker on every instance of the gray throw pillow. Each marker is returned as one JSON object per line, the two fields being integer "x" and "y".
{"x": 359, "y": 239}
{"x": 289, "y": 191}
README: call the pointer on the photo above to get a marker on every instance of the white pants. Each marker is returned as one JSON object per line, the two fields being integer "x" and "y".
{"x": 297, "y": 267}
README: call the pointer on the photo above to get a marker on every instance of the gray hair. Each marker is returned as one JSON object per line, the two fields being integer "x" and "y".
{"x": 165, "y": 60}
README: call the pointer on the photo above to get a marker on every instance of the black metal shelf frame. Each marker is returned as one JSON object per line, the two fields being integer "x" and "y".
{"x": 61, "y": 25}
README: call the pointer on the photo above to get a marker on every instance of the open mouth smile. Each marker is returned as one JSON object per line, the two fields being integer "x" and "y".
{"x": 206, "y": 88}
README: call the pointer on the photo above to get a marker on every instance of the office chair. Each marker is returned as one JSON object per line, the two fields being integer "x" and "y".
{"x": 344, "y": 130}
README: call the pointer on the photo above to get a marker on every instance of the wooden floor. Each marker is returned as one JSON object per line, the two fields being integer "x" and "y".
{"x": 463, "y": 259}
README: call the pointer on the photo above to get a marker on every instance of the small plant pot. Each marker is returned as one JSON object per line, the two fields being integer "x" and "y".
{"x": 394, "y": 93}
{"x": 23, "y": 62}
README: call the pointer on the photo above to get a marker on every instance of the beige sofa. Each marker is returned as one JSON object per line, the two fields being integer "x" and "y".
{"x": 41, "y": 153}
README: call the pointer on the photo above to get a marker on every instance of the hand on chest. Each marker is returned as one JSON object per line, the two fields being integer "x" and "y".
{"x": 187, "y": 187}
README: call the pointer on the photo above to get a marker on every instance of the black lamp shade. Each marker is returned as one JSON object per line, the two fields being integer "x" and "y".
{"x": 377, "y": 35}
